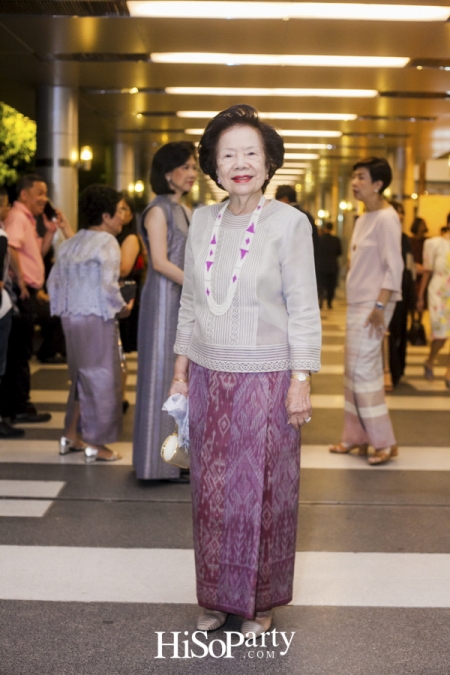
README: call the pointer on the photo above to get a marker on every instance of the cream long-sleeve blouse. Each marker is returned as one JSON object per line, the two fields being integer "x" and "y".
{"x": 273, "y": 322}
{"x": 375, "y": 257}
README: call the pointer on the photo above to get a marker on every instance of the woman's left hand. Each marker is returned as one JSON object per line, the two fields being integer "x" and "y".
{"x": 298, "y": 403}
{"x": 376, "y": 324}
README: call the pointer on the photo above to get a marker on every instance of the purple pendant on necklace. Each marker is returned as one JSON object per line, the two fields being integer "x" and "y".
{"x": 242, "y": 257}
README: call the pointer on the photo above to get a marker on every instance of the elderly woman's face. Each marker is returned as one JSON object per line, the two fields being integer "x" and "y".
{"x": 241, "y": 163}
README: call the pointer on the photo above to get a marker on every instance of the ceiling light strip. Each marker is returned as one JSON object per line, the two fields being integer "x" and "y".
{"x": 303, "y": 133}
{"x": 328, "y": 61}
{"x": 268, "y": 91}
{"x": 339, "y": 117}
{"x": 286, "y": 10}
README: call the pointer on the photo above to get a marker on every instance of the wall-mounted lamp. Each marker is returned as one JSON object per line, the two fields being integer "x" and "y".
{"x": 86, "y": 157}
{"x": 137, "y": 188}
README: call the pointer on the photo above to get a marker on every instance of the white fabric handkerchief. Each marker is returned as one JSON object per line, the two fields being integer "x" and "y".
{"x": 177, "y": 406}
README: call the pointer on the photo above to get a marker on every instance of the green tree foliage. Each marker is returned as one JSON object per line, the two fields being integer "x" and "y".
{"x": 17, "y": 143}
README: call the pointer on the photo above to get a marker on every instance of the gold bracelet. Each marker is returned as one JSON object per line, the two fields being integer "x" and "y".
{"x": 301, "y": 377}
{"x": 185, "y": 381}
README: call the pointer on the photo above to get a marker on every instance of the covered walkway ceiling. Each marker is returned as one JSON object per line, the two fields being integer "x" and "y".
{"x": 113, "y": 58}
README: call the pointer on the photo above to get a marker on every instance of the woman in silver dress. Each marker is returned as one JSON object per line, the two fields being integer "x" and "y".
{"x": 164, "y": 228}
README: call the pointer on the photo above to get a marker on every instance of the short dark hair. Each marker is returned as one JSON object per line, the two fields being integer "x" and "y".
{"x": 379, "y": 169}
{"x": 26, "y": 182}
{"x": 328, "y": 226}
{"x": 166, "y": 159}
{"x": 416, "y": 224}
{"x": 286, "y": 191}
{"x": 3, "y": 192}
{"x": 245, "y": 116}
{"x": 94, "y": 201}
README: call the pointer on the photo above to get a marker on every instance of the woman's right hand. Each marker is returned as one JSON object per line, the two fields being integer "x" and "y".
{"x": 178, "y": 388}
{"x": 420, "y": 305}
{"x": 126, "y": 311}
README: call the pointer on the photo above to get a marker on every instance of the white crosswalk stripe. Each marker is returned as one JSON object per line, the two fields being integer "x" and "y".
{"x": 27, "y": 508}
{"x": 168, "y": 576}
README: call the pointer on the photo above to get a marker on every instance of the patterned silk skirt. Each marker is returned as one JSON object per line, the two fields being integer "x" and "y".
{"x": 366, "y": 417}
{"x": 245, "y": 464}
{"x": 93, "y": 359}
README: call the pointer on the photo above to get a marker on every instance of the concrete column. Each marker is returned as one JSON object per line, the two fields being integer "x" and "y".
{"x": 397, "y": 160}
{"x": 57, "y": 146}
{"x": 124, "y": 164}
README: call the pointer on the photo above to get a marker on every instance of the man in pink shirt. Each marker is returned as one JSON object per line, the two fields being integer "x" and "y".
{"x": 27, "y": 251}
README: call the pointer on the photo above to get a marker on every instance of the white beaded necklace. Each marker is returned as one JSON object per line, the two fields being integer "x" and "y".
{"x": 244, "y": 250}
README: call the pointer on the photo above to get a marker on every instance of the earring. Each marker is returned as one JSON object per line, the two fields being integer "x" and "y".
{"x": 218, "y": 180}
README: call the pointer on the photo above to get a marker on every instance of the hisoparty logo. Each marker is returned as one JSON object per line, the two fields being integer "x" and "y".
{"x": 182, "y": 645}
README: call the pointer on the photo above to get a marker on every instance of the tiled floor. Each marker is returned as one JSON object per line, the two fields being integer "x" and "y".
{"x": 96, "y": 568}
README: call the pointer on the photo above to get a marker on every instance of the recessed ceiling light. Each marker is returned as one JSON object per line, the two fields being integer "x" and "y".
{"x": 300, "y": 155}
{"x": 266, "y": 91}
{"x": 308, "y": 146}
{"x": 194, "y": 132}
{"x": 340, "y": 117}
{"x": 328, "y": 61}
{"x": 286, "y": 10}
{"x": 290, "y": 172}
{"x": 310, "y": 133}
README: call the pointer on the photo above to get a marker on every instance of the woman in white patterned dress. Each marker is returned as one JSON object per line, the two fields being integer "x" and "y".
{"x": 436, "y": 262}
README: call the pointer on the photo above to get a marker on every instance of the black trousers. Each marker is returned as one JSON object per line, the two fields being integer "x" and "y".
{"x": 327, "y": 282}
{"x": 398, "y": 341}
{"x": 16, "y": 382}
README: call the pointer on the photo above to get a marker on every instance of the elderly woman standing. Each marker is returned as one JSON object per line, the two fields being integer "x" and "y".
{"x": 84, "y": 291}
{"x": 374, "y": 285}
{"x": 248, "y": 337}
{"x": 164, "y": 229}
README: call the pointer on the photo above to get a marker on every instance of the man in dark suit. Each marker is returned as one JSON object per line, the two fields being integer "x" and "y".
{"x": 329, "y": 251}
{"x": 287, "y": 195}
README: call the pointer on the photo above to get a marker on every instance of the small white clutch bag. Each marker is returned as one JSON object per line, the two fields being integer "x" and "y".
{"x": 172, "y": 453}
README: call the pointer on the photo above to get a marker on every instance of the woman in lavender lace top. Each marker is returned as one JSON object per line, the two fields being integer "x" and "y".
{"x": 84, "y": 292}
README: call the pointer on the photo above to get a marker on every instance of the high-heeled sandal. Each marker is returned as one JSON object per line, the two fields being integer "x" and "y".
{"x": 344, "y": 448}
{"x": 383, "y": 456}
{"x": 66, "y": 445}
{"x": 259, "y": 625}
{"x": 91, "y": 454}
{"x": 428, "y": 372}
{"x": 211, "y": 619}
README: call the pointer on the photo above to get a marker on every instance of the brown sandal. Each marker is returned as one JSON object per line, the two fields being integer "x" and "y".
{"x": 345, "y": 448}
{"x": 383, "y": 456}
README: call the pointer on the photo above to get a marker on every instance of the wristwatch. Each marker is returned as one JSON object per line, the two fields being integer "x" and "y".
{"x": 379, "y": 305}
{"x": 301, "y": 377}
